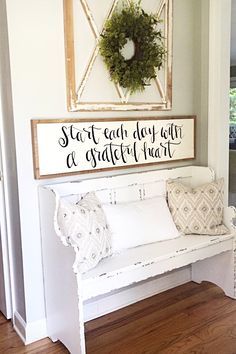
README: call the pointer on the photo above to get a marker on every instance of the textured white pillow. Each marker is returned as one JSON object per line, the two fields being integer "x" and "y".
{"x": 198, "y": 210}
{"x": 85, "y": 227}
{"x": 137, "y": 223}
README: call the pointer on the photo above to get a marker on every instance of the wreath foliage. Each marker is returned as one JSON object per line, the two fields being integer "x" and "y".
{"x": 131, "y": 22}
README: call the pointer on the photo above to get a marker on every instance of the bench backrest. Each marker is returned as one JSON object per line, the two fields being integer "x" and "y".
{"x": 151, "y": 183}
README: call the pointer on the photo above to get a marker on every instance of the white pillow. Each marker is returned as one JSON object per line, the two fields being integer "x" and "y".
{"x": 137, "y": 223}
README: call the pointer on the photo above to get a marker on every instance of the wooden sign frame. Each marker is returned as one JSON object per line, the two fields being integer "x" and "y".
{"x": 124, "y": 101}
{"x": 64, "y": 147}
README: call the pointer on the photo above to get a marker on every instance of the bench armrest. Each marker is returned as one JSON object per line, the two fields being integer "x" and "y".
{"x": 230, "y": 218}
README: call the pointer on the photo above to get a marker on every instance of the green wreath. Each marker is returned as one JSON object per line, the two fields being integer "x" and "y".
{"x": 132, "y": 23}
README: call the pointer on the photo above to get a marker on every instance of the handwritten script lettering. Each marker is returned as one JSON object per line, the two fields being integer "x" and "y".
{"x": 115, "y": 143}
{"x": 81, "y": 135}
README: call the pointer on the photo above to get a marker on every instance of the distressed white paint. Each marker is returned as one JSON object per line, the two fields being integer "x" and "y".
{"x": 64, "y": 300}
{"x": 137, "y": 264}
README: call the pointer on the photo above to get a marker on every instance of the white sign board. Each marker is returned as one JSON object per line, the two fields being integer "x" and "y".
{"x": 73, "y": 146}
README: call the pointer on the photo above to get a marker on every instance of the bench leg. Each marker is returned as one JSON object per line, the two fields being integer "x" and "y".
{"x": 219, "y": 270}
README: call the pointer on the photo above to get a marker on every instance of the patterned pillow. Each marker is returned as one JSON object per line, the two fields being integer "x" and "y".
{"x": 199, "y": 210}
{"x": 84, "y": 226}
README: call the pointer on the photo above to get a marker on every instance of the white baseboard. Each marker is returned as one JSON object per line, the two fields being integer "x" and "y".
{"x": 115, "y": 301}
{"x": 19, "y": 326}
{"x": 29, "y": 332}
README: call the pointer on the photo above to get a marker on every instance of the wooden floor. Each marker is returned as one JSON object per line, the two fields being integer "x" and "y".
{"x": 191, "y": 318}
{"x": 10, "y": 343}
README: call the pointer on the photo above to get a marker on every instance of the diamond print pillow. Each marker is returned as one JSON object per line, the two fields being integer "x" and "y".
{"x": 84, "y": 226}
{"x": 199, "y": 210}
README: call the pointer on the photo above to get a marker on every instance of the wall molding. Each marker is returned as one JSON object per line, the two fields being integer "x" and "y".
{"x": 29, "y": 332}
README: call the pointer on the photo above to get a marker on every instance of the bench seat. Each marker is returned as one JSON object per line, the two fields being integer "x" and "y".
{"x": 139, "y": 263}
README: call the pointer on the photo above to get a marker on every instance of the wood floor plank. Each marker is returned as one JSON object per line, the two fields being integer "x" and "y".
{"x": 155, "y": 332}
{"x": 190, "y": 319}
{"x": 220, "y": 333}
{"x": 183, "y": 345}
{"x": 163, "y": 300}
{"x": 10, "y": 342}
{"x": 163, "y": 306}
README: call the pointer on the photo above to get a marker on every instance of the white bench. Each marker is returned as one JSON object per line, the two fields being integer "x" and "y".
{"x": 211, "y": 258}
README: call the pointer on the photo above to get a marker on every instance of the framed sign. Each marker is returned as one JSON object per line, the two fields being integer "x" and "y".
{"x": 73, "y": 146}
{"x": 89, "y": 87}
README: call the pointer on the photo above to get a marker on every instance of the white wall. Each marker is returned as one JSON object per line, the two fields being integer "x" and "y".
{"x": 36, "y": 39}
